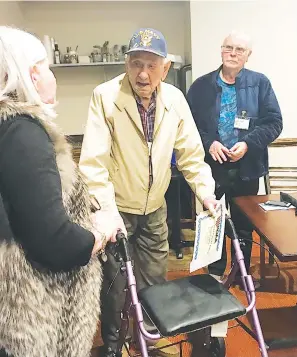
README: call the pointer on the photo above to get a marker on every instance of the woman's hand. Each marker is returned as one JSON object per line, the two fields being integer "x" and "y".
{"x": 99, "y": 243}
{"x": 108, "y": 223}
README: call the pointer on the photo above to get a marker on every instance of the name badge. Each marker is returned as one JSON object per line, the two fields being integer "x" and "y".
{"x": 242, "y": 123}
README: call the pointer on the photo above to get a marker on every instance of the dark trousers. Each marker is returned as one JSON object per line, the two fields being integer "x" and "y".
{"x": 148, "y": 238}
{"x": 233, "y": 186}
{"x": 3, "y": 353}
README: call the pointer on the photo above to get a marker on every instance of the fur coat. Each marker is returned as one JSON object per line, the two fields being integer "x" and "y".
{"x": 45, "y": 314}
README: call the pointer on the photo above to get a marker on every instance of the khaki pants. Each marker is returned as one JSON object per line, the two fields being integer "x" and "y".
{"x": 148, "y": 238}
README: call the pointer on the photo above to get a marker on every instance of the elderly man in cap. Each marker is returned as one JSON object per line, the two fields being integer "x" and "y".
{"x": 135, "y": 123}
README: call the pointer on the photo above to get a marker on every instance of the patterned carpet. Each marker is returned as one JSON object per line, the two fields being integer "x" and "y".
{"x": 276, "y": 303}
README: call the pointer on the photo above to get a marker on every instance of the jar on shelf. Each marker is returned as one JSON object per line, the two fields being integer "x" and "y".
{"x": 73, "y": 57}
{"x": 67, "y": 55}
{"x": 97, "y": 54}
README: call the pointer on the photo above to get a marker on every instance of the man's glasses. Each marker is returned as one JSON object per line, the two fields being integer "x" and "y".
{"x": 238, "y": 50}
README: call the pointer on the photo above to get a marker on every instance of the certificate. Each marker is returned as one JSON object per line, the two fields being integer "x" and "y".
{"x": 209, "y": 237}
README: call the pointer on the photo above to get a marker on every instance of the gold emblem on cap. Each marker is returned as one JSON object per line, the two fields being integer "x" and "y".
{"x": 146, "y": 37}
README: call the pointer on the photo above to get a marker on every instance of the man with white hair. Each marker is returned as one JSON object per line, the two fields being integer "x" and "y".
{"x": 135, "y": 123}
{"x": 238, "y": 116}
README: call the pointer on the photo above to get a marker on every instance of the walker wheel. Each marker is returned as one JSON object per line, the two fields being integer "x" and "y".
{"x": 217, "y": 347}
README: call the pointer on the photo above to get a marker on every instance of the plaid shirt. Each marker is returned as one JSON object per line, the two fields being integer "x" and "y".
{"x": 147, "y": 117}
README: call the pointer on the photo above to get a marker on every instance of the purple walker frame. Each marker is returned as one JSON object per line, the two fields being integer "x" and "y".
{"x": 132, "y": 300}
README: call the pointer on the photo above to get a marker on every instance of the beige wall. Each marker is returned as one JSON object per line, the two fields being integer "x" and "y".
{"x": 85, "y": 24}
{"x": 273, "y": 26}
{"x": 11, "y": 14}
{"x": 187, "y": 32}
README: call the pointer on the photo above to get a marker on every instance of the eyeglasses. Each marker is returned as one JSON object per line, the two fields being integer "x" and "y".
{"x": 238, "y": 50}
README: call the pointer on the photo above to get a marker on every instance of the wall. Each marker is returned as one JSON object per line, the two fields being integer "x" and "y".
{"x": 273, "y": 27}
{"x": 187, "y": 32}
{"x": 11, "y": 14}
{"x": 88, "y": 23}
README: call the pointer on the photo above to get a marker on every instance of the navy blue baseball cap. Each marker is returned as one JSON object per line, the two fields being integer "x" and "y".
{"x": 148, "y": 40}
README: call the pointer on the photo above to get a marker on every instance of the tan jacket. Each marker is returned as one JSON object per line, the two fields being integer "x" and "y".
{"x": 115, "y": 155}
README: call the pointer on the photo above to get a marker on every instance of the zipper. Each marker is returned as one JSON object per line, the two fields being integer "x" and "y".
{"x": 151, "y": 175}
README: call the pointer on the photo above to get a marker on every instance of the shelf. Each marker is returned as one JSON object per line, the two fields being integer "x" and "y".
{"x": 86, "y": 64}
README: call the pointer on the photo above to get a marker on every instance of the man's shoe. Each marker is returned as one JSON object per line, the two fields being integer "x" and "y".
{"x": 169, "y": 351}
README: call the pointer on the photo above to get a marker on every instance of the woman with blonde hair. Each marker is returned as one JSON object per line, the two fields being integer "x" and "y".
{"x": 50, "y": 276}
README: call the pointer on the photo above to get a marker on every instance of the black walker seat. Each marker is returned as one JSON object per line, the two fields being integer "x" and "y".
{"x": 200, "y": 301}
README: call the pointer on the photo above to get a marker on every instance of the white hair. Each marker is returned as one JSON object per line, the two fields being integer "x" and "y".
{"x": 242, "y": 36}
{"x": 19, "y": 51}
{"x": 166, "y": 60}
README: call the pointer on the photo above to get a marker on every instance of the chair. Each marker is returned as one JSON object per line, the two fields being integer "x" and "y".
{"x": 281, "y": 178}
{"x": 176, "y": 242}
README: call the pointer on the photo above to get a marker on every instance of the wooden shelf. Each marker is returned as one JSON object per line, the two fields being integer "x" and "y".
{"x": 62, "y": 65}
{"x": 284, "y": 142}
